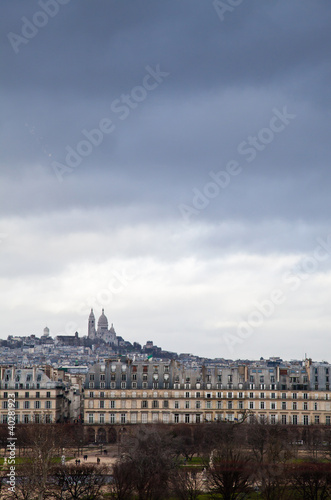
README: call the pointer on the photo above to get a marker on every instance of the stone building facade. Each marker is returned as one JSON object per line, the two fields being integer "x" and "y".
{"x": 38, "y": 397}
{"x": 122, "y": 391}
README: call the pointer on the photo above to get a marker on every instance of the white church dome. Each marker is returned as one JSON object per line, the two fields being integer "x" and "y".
{"x": 103, "y": 321}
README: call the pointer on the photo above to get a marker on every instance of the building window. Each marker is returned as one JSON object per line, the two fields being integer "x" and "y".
{"x": 262, "y": 395}
{"x": 102, "y": 404}
{"x": 123, "y": 418}
{"x": 283, "y": 405}
{"x": 176, "y": 418}
{"x": 295, "y": 395}
{"x": 90, "y": 418}
{"x": 229, "y": 405}
{"x": 27, "y": 395}
{"x": 187, "y": 404}
{"x": 272, "y": 419}
{"x": 48, "y": 404}
{"x": 219, "y": 405}
{"x": 165, "y": 418}
{"x": 187, "y": 418}
{"x": 112, "y": 418}
{"x": 208, "y": 405}
{"x": 273, "y": 406}
{"x": 283, "y": 395}
{"x": 328, "y": 420}
{"x": 144, "y": 404}
{"x": 315, "y": 406}
{"x": 305, "y": 406}
{"x": 262, "y": 405}
{"x": 198, "y": 404}
{"x": 295, "y": 419}
{"x": 155, "y": 418}
{"x": 144, "y": 418}
{"x": 155, "y": 404}
{"x": 166, "y": 404}
{"x": 112, "y": 404}
{"x": 176, "y": 404}
{"x": 251, "y": 395}
{"x": 91, "y": 394}
{"x": 240, "y": 405}
{"x": 283, "y": 419}
{"x": 294, "y": 406}
{"x": 305, "y": 420}
{"x": 26, "y": 405}
{"x": 317, "y": 419}
{"x": 273, "y": 395}
{"x": 251, "y": 405}
{"x": 305, "y": 395}
{"x": 48, "y": 394}
{"x": 37, "y": 405}
{"x": 102, "y": 418}
{"x": 25, "y": 419}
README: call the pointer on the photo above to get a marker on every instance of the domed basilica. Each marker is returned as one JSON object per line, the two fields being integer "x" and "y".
{"x": 102, "y": 332}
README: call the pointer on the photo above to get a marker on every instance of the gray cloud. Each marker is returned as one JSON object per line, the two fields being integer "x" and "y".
{"x": 225, "y": 79}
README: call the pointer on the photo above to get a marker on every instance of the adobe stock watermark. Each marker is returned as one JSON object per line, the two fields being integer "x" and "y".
{"x": 30, "y": 27}
{"x": 249, "y": 148}
{"x": 293, "y": 280}
{"x": 122, "y": 108}
{"x": 118, "y": 283}
{"x": 223, "y": 6}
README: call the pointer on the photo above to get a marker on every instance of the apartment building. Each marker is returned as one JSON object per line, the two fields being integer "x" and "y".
{"x": 38, "y": 397}
{"x": 122, "y": 391}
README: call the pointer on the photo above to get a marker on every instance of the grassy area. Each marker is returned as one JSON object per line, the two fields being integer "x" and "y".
{"x": 24, "y": 460}
{"x": 195, "y": 461}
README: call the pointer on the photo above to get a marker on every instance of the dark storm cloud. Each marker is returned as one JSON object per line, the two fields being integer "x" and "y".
{"x": 225, "y": 78}
{"x": 120, "y": 206}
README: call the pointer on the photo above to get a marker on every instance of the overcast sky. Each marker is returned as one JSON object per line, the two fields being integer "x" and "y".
{"x": 168, "y": 161}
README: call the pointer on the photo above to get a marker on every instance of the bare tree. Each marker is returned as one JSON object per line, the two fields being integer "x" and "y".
{"x": 186, "y": 483}
{"x": 122, "y": 485}
{"x": 72, "y": 482}
{"x": 312, "y": 480}
{"x": 229, "y": 467}
{"x": 151, "y": 456}
{"x": 26, "y": 483}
